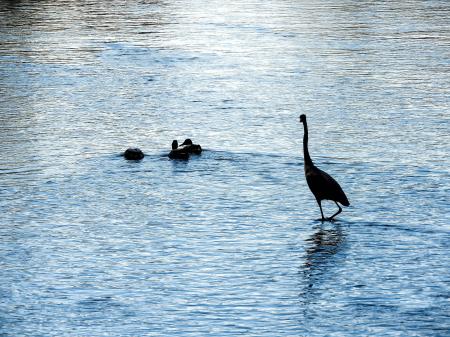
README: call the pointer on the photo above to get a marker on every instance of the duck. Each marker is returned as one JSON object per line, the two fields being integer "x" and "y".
{"x": 133, "y": 153}
{"x": 178, "y": 152}
{"x": 190, "y": 147}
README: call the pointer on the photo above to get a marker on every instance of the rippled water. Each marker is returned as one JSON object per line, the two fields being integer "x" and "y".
{"x": 227, "y": 243}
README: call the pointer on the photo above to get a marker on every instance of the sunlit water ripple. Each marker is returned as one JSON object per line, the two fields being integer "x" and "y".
{"x": 227, "y": 243}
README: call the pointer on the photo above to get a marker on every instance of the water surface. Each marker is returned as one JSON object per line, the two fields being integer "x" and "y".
{"x": 228, "y": 243}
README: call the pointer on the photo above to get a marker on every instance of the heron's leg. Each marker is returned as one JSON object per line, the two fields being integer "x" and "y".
{"x": 339, "y": 211}
{"x": 320, "y": 205}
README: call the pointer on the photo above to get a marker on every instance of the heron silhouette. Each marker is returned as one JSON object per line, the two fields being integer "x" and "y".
{"x": 321, "y": 184}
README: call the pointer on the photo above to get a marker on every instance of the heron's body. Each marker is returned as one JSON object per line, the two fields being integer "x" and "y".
{"x": 321, "y": 184}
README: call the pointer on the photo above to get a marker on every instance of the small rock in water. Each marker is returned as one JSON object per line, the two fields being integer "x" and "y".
{"x": 133, "y": 154}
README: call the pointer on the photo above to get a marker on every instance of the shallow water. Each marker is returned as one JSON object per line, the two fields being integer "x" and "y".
{"x": 227, "y": 243}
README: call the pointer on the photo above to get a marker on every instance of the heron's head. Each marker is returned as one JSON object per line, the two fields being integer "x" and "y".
{"x": 302, "y": 118}
{"x": 174, "y": 144}
{"x": 187, "y": 142}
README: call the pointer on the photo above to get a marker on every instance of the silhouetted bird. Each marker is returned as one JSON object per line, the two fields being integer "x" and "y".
{"x": 190, "y": 147}
{"x": 321, "y": 184}
{"x": 133, "y": 154}
{"x": 178, "y": 153}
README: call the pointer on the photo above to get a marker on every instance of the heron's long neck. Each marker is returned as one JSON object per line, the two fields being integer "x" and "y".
{"x": 306, "y": 156}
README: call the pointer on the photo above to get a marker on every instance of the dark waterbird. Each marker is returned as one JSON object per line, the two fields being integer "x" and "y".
{"x": 178, "y": 152}
{"x": 190, "y": 147}
{"x": 321, "y": 184}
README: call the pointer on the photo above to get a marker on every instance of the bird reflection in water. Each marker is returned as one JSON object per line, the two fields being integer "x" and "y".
{"x": 320, "y": 260}
{"x": 323, "y": 243}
